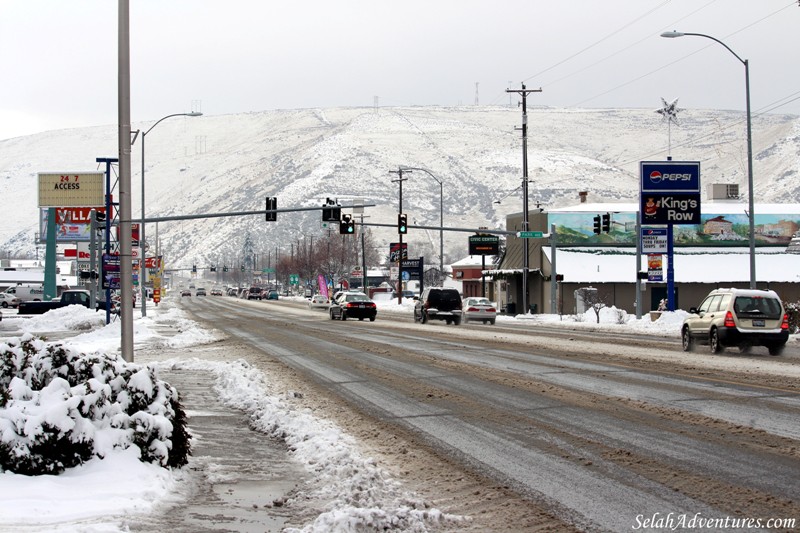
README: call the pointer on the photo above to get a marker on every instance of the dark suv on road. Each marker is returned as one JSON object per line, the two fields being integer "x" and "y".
{"x": 436, "y": 303}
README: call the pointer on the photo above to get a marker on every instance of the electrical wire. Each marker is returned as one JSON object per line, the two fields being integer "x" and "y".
{"x": 650, "y": 73}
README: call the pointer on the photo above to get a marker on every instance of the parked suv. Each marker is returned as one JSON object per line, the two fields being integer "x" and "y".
{"x": 737, "y": 317}
{"x": 436, "y": 303}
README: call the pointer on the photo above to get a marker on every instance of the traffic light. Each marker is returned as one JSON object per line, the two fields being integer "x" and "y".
{"x": 213, "y": 268}
{"x": 99, "y": 216}
{"x": 347, "y": 226}
{"x": 224, "y": 268}
{"x": 402, "y": 223}
{"x": 194, "y": 268}
{"x": 272, "y": 205}
{"x": 597, "y": 226}
{"x": 607, "y": 222}
{"x": 559, "y": 277}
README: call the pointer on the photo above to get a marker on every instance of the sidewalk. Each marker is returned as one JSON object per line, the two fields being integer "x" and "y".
{"x": 235, "y": 475}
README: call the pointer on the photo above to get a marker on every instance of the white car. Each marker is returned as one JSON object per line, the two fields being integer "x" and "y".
{"x": 318, "y": 301}
{"x": 479, "y": 309}
{"x": 9, "y": 300}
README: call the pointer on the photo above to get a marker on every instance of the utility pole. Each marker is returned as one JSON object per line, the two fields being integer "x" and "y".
{"x": 525, "y": 227}
{"x": 400, "y": 180}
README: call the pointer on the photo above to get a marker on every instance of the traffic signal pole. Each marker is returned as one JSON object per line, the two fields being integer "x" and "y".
{"x": 400, "y": 180}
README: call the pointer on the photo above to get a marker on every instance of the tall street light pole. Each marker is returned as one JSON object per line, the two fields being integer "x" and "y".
{"x": 124, "y": 143}
{"x": 750, "y": 200}
{"x": 441, "y": 218}
{"x": 142, "y": 267}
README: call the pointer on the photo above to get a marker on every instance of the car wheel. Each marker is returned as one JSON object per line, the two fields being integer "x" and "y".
{"x": 343, "y": 316}
{"x": 331, "y": 313}
{"x": 361, "y": 318}
{"x": 423, "y": 317}
{"x": 5, "y": 305}
{"x": 776, "y": 349}
{"x": 484, "y": 322}
{"x": 448, "y": 320}
{"x": 456, "y": 321}
{"x": 372, "y": 319}
{"x": 687, "y": 340}
{"x": 713, "y": 341}
{"x": 491, "y": 322}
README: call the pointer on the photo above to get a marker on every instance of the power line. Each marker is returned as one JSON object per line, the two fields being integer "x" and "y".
{"x": 608, "y": 36}
{"x": 632, "y": 45}
{"x": 650, "y": 73}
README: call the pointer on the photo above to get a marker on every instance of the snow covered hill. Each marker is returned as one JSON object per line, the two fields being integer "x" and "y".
{"x": 215, "y": 164}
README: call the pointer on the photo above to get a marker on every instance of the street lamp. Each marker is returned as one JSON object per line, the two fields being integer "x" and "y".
{"x": 441, "y": 218}
{"x": 750, "y": 202}
{"x": 142, "y": 268}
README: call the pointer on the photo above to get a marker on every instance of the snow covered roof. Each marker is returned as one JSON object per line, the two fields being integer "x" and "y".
{"x": 705, "y": 265}
{"x": 474, "y": 261}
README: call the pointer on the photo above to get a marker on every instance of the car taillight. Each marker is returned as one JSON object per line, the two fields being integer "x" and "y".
{"x": 785, "y": 322}
{"x": 472, "y": 310}
{"x": 492, "y": 310}
{"x": 729, "y": 323}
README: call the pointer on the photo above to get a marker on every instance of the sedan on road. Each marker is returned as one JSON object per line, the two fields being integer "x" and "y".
{"x": 353, "y": 305}
{"x": 479, "y": 309}
{"x": 9, "y": 300}
{"x": 318, "y": 301}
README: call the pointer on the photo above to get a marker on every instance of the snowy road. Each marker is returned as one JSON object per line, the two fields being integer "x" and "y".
{"x": 585, "y": 432}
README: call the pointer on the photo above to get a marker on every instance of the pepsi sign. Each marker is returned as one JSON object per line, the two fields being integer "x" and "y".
{"x": 670, "y": 176}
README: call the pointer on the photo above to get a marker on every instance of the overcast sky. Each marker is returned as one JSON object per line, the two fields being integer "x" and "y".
{"x": 58, "y": 59}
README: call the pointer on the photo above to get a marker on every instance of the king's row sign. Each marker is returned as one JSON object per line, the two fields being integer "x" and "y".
{"x": 670, "y": 192}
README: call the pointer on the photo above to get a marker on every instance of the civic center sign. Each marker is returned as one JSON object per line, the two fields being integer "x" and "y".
{"x": 670, "y": 192}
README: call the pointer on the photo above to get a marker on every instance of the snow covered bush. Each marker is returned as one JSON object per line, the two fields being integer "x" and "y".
{"x": 59, "y": 408}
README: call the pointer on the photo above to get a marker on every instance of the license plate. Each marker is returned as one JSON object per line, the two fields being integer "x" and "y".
{"x": 758, "y": 323}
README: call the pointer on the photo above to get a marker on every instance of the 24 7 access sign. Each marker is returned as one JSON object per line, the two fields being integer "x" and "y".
{"x": 670, "y": 192}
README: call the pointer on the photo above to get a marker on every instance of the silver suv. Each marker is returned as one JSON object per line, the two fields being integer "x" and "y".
{"x": 737, "y": 317}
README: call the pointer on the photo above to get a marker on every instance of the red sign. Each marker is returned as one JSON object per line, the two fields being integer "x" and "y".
{"x": 134, "y": 234}
{"x": 74, "y": 252}
{"x": 151, "y": 262}
{"x": 75, "y": 215}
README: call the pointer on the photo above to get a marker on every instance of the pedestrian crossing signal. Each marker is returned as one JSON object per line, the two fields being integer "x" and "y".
{"x": 272, "y": 205}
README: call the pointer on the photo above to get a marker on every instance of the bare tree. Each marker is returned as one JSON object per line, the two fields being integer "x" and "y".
{"x": 593, "y": 299}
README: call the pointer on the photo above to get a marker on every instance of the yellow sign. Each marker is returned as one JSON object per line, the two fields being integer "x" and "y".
{"x": 71, "y": 189}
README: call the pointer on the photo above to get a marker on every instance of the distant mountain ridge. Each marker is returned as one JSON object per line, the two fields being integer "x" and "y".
{"x": 230, "y": 163}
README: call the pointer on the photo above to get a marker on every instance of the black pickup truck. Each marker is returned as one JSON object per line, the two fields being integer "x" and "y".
{"x": 71, "y": 297}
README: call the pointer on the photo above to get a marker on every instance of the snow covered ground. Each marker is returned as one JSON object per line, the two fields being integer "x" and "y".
{"x": 98, "y": 495}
